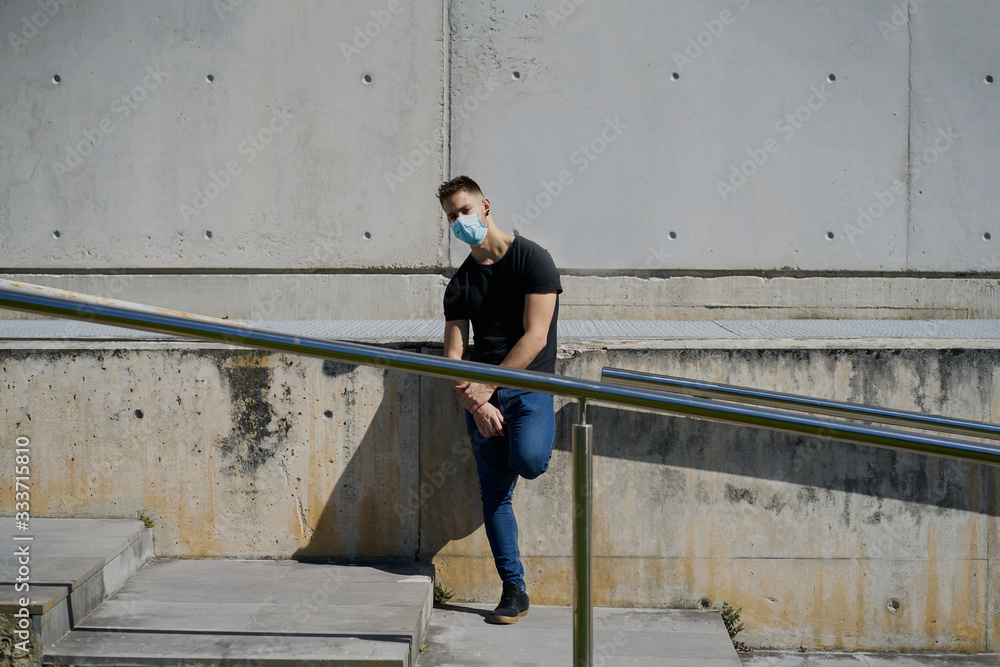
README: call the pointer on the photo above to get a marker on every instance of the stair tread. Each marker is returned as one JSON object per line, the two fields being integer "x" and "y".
{"x": 42, "y": 598}
{"x": 170, "y": 648}
{"x": 459, "y": 635}
{"x": 83, "y": 537}
{"x": 63, "y": 553}
{"x": 176, "y": 610}
{"x": 66, "y": 571}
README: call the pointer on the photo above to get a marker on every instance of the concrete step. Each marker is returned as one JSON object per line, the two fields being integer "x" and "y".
{"x": 260, "y": 612}
{"x": 70, "y": 567}
{"x": 873, "y": 659}
{"x": 459, "y": 636}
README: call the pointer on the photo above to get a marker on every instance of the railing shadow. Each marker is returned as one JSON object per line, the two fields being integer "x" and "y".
{"x": 813, "y": 464}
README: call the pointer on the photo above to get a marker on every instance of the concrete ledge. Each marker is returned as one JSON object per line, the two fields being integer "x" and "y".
{"x": 650, "y": 296}
{"x": 756, "y": 332}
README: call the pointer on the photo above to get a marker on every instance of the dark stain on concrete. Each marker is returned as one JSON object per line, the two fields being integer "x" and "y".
{"x": 808, "y": 495}
{"x": 701, "y": 493}
{"x": 736, "y": 494}
{"x": 670, "y": 485}
{"x": 775, "y": 503}
{"x": 771, "y": 503}
{"x": 337, "y": 368}
{"x": 257, "y": 433}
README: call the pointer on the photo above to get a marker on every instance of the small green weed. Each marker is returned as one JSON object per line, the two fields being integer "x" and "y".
{"x": 442, "y": 594}
{"x": 731, "y": 617}
{"x": 146, "y": 521}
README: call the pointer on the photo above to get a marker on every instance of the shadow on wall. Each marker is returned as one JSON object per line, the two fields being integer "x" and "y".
{"x": 434, "y": 499}
{"x": 374, "y": 510}
{"x": 813, "y": 464}
{"x": 955, "y": 382}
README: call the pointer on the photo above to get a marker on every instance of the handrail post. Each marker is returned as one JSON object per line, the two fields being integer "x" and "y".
{"x": 583, "y": 609}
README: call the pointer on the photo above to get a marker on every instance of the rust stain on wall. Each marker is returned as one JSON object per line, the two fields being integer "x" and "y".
{"x": 931, "y": 602}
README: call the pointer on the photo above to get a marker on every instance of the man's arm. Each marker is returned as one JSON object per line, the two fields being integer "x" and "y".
{"x": 538, "y": 310}
{"x": 456, "y": 342}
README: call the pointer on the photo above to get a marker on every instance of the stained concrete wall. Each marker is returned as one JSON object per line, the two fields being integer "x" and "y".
{"x": 220, "y": 448}
{"x": 239, "y": 453}
{"x": 170, "y": 140}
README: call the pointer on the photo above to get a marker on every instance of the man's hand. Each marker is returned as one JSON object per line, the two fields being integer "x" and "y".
{"x": 474, "y": 395}
{"x": 489, "y": 420}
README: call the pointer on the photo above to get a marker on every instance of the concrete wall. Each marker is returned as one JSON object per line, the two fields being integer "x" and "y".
{"x": 267, "y": 141}
{"x": 240, "y": 453}
{"x": 138, "y": 161}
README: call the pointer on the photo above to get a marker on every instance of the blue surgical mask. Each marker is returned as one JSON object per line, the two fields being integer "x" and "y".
{"x": 470, "y": 229}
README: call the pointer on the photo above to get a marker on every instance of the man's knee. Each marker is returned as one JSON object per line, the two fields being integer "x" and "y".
{"x": 533, "y": 473}
{"x": 530, "y": 467}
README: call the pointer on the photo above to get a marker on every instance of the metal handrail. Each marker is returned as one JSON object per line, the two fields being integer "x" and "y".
{"x": 76, "y": 306}
{"x": 85, "y": 307}
{"x": 774, "y": 399}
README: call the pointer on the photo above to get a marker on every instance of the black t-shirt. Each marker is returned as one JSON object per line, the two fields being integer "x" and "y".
{"x": 491, "y": 296}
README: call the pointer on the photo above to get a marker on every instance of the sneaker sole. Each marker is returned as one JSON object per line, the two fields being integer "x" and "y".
{"x": 507, "y": 620}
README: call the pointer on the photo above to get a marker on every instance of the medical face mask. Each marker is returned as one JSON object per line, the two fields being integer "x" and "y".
{"x": 470, "y": 229}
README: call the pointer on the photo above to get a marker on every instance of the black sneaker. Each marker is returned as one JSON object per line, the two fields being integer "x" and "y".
{"x": 513, "y": 605}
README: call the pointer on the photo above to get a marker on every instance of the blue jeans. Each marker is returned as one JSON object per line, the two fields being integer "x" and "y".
{"x": 523, "y": 451}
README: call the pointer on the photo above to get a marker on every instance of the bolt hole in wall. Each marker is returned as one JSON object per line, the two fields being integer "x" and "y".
{"x": 138, "y": 414}
{"x": 831, "y": 78}
{"x": 987, "y": 236}
{"x": 988, "y": 80}
{"x": 672, "y": 236}
{"x": 704, "y": 603}
{"x": 368, "y": 235}
{"x": 56, "y": 79}
{"x": 208, "y": 234}
{"x": 516, "y": 75}
{"x": 675, "y": 76}
{"x": 328, "y": 414}
{"x": 893, "y": 605}
{"x": 829, "y": 236}
{"x": 210, "y": 78}
{"x": 367, "y": 79}
{"x": 56, "y": 234}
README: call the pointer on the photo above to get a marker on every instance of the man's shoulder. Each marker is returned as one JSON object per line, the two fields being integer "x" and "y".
{"x": 526, "y": 246}
{"x": 524, "y": 243}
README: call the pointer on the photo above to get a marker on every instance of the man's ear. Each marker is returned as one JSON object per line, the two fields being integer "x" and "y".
{"x": 486, "y": 205}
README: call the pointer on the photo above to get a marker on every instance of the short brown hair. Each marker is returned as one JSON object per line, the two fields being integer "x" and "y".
{"x": 458, "y": 184}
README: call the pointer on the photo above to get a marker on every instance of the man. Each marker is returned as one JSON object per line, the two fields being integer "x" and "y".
{"x": 508, "y": 287}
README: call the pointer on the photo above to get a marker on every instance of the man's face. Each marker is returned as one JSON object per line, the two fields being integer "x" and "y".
{"x": 464, "y": 202}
